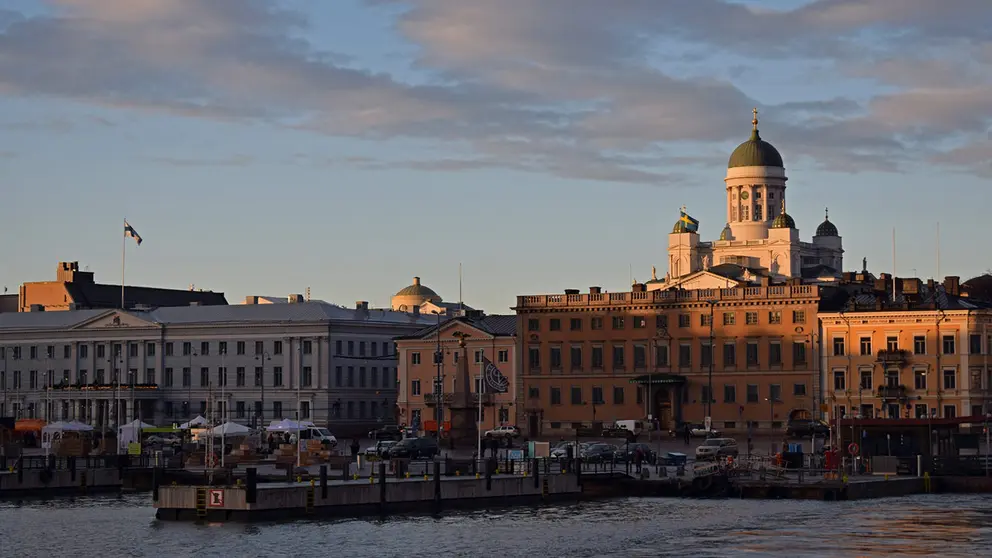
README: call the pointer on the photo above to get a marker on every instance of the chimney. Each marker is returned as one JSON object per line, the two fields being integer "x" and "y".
{"x": 362, "y": 309}
{"x": 195, "y": 303}
{"x": 416, "y": 309}
{"x": 595, "y": 290}
{"x": 848, "y": 277}
{"x": 251, "y": 299}
{"x": 295, "y": 298}
{"x": 638, "y": 288}
{"x": 571, "y": 291}
{"x": 952, "y": 285}
{"x": 911, "y": 286}
{"x": 416, "y": 281}
{"x": 765, "y": 281}
{"x": 474, "y": 314}
{"x": 931, "y": 284}
{"x": 36, "y": 308}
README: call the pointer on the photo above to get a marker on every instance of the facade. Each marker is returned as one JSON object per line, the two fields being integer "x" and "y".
{"x": 923, "y": 352}
{"x": 759, "y": 239}
{"x": 245, "y": 363}
{"x": 73, "y": 289}
{"x": 490, "y": 337}
{"x": 587, "y": 359}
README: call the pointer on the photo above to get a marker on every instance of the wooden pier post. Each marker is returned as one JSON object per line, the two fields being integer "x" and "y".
{"x": 251, "y": 485}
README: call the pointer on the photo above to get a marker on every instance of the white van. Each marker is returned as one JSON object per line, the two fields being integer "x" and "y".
{"x": 310, "y": 431}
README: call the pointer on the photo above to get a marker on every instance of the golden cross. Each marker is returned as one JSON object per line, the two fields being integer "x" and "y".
{"x": 755, "y": 121}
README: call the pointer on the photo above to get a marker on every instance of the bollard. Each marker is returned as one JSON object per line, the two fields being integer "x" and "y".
{"x": 289, "y": 474}
{"x": 72, "y": 468}
{"x": 490, "y": 466}
{"x": 382, "y": 483}
{"x": 537, "y": 472}
{"x": 155, "y": 483}
{"x": 251, "y": 485}
{"x": 323, "y": 482}
{"x": 437, "y": 484}
{"x": 578, "y": 472}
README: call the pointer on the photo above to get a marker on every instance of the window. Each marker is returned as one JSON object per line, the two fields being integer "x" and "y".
{"x": 661, "y": 355}
{"x": 838, "y": 346}
{"x": 575, "y": 324}
{"x": 705, "y": 395}
{"x": 503, "y": 355}
{"x": 705, "y": 320}
{"x": 149, "y": 376}
{"x": 374, "y": 377}
{"x": 775, "y": 353}
{"x": 533, "y": 324}
{"x": 239, "y": 376}
{"x": 101, "y": 352}
{"x": 799, "y": 390}
{"x": 891, "y": 378}
{"x": 204, "y": 376}
{"x": 798, "y": 316}
{"x": 385, "y": 348}
{"x": 618, "y": 354}
{"x": 597, "y": 357}
{"x": 575, "y": 356}
{"x": 307, "y": 379}
{"x": 729, "y": 393}
{"x": 67, "y": 350}
{"x": 534, "y": 358}
{"x": 729, "y": 318}
{"x": 204, "y": 348}
{"x": 751, "y": 318}
{"x": 222, "y": 376}
{"x": 478, "y": 356}
{"x": 752, "y": 353}
{"x": 414, "y": 358}
{"x": 556, "y": 396}
{"x": 975, "y": 344}
{"x": 239, "y": 409}
{"x": 260, "y": 347}
{"x": 307, "y": 347}
{"x": 277, "y": 408}
{"x": 661, "y": 321}
{"x": 839, "y": 381}
{"x": 892, "y": 344}
{"x": 775, "y": 317}
{"x": 374, "y": 347}
{"x": 361, "y": 348}
{"x": 685, "y": 355}
{"x": 866, "y": 379}
{"x": 258, "y": 376}
{"x": 948, "y": 344}
{"x": 640, "y": 356}
{"x": 277, "y": 347}
{"x": 640, "y": 322}
{"x": 555, "y": 358}
{"x": 361, "y": 376}
{"x": 84, "y": 351}
{"x": 277, "y": 376}
{"x": 798, "y": 353}
{"x": 618, "y": 395}
{"x": 596, "y": 323}
{"x": 865, "y": 346}
{"x": 576, "y": 394}
{"x": 132, "y": 350}
{"x": 705, "y": 354}
{"x": 222, "y": 348}
{"x": 415, "y": 387}
{"x": 187, "y": 376}
{"x": 554, "y": 324}
{"x": 239, "y": 348}
{"x": 730, "y": 354}
{"x": 618, "y": 322}
{"x": 950, "y": 411}
{"x": 920, "y": 379}
{"x": 533, "y": 393}
{"x": 597, "y": 395}
{"x": 683, "y": 320}
{"x": 950, "y": 379}
{"x": 775, "y": 392}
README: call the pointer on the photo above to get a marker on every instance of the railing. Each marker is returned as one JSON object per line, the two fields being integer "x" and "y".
{"x": 34, "y": 462}
{"x": 488, "y": 399}
{"x": 897, "y": 356}
{"x": 892, "y": 392}
{"x": 661, "y": 296}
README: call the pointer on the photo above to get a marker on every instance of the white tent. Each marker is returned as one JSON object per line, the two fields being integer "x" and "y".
{"x": 288, "y": 425}
{"x": 55, "y": 431}
{"x": 198, "y": 421}
{"x": 76, "y": 426}
{"x": 131, "y": 432}
{"x": 229, "y": 429}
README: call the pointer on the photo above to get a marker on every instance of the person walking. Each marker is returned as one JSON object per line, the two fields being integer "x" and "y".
{"x": 354, "y": 449}
{"x": 688, "y": 435}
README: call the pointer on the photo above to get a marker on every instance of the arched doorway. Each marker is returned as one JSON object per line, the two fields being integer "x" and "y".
{"x": 662, "y": 408}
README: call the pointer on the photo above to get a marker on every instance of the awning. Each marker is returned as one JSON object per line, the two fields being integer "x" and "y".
{"x": 659, "y": 379}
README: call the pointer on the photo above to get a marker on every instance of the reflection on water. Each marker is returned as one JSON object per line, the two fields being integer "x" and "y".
{"x": 944, "y": 525}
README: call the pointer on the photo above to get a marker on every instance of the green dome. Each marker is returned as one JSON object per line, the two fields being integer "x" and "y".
{"x": 826, "y": 228}
{"x": 726, "y": 234}
{"x": 784, "y": 221}
{"x": 416, "y": 289}
{"x": 755, "y": 152}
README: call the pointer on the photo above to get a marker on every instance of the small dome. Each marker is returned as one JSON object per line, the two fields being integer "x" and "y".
{"x": 726, "y": 234}
{"x": 826, "y": 228}
{"x": 784, "y": 220}
{"x": 680, "y": 227}
{"x": 416, "y": 289}
{"x": 755, "y": 152}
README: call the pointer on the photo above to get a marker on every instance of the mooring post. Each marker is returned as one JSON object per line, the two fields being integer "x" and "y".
{"x": 490, "y": 467}
{"x": 156, "y": 480}
{"x": 382, "y": 482}
{"x": 537, "y": 472}
{"x": 323, "y": 481}
{"x": 437, "y": 484}
{"x": 72, "y": 468}
{"x": 251, "y": 485}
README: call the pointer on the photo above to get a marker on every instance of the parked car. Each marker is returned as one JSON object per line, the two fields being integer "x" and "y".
{"x": 807, "y": 428}
{"x": 717, "y": 448}
{"x": 387, "y": 433}
{"x": 415, "y": 448}
{"x": 598, "y": 453}
{"x": 380, "y": 448}
{"x": 561, "y": 450}
{"x": 628, "y": 451}
{"x": 700, "y": 431}
{"x": 504, "y": 432}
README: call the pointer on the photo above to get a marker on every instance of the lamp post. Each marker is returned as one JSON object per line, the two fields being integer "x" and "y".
{"x": 260, "y": 381}
{"x": 189, "y": 384}
{"x": 438, "y": 386}
{"x": 3, "y": 378}
{"x": 709, "y": 383}
{"x": 771, "y": 412}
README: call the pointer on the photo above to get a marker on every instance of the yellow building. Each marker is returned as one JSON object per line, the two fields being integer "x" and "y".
{"x": 922, "y": 351}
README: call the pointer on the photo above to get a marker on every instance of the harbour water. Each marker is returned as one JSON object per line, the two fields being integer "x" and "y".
{"x": 931, "y": 525}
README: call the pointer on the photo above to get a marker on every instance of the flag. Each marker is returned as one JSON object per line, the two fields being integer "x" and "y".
{"x": 691, "y": 224}
{"x": 129, "y": 231}
{"x": 495, "y": 381}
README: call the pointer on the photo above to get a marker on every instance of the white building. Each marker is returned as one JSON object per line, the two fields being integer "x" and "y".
{"x": 760, "y": 238}
{"x": 333, "y": 365}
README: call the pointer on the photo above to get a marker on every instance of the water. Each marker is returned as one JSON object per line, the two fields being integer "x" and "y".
{"x": 932, "y": 525}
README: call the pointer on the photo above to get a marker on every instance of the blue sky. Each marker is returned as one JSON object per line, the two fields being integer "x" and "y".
{"x": 261, "y": 147}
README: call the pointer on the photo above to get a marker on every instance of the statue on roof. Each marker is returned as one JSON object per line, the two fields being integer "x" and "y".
{"x": 654, "y": 273}
{"x": 864, "y": 265}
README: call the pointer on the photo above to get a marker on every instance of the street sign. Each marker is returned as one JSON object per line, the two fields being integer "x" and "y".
{"x": 215, "y": 498}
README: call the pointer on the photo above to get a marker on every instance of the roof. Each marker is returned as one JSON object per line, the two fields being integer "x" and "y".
{"x": 497, "y": 325}
{"x": 303, "y": 312}
{"x": 784, "y": 220}
{"x": 755, "y": 152}
{"x": 826, "y": 228}
{"x": 817, "y": 271}
{"x": 95, "y": 295}
{"x": 978, "y": 288}
{"x": 861, "y": 297}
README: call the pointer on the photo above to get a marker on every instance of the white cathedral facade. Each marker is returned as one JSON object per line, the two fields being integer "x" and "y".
{"x": 760, "y": 242}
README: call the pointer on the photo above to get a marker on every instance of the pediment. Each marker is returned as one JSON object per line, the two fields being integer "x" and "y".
{"x": 455, "y": 329}
{"x": 115, "y": 319}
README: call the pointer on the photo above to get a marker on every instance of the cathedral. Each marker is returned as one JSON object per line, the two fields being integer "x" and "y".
{"x": 760, "y": 243}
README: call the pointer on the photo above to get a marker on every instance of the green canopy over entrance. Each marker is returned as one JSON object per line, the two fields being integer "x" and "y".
{"x": 659, "y": 379}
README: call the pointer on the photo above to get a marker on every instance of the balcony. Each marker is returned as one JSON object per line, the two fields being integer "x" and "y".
{"x": 488, "y": 399}
{"x": 893, "y": 392}
{"x": 898, "y": 356}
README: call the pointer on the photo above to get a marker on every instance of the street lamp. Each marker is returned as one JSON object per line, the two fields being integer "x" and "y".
{"x": 771, "y": 413}
{"x": 3, "y": 378}
{"x": 260, "y": 381}
{"x": 709, "y": 389}
{"x": 189, "y": 383}
{"x": 438, "y": 386}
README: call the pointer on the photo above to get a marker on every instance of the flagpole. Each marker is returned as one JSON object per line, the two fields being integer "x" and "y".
{"x": 482, "y": 389}
{"x": 123, "y": 254}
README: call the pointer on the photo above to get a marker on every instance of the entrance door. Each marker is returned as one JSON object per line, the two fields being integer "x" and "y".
{"x": 663, "y": 409}
{"x": 533, "y": 426}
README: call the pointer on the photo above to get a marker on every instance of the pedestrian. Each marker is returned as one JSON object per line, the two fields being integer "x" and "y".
{"x": 354, "y": 449}
{"x": 638, "y": 458}
{"x": 688, "y": 435}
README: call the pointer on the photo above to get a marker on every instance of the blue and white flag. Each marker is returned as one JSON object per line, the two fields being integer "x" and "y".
{"x": 130, "y": 232}
{"x": 493, "y": 380}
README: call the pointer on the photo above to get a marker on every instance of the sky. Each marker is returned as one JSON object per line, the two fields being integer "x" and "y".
{"x": 263, "y": 147}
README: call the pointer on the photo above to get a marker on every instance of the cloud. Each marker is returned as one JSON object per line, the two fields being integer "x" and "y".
{"x": 233, "y": 161}
{"x": 575, "y": 88}
{"x": 8, "y": 155}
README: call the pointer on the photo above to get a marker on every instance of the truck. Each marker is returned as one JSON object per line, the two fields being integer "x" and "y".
{"x": 628, "y": 429}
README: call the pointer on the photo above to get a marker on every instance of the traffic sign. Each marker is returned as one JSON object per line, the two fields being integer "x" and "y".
{"x": 215, "y": 498}
{"x": 853, "y": 448}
